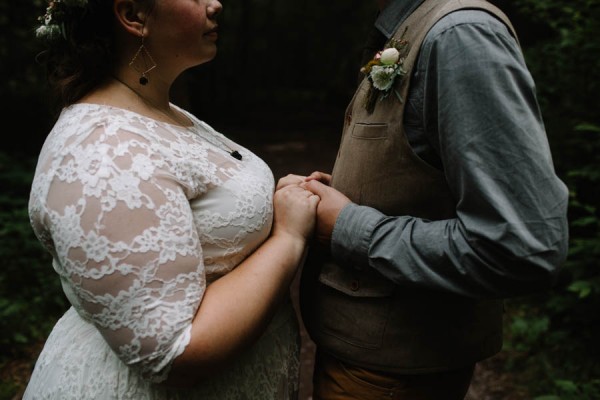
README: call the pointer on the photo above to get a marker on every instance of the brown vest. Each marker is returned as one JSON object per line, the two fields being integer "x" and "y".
{"x": 358, "y": 315}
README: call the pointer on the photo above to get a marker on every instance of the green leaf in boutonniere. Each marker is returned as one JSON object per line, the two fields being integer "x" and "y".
{"x": 383, "y": 71}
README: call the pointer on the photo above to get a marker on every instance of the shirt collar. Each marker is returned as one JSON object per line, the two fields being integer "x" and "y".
{"x": 394, "y": 14}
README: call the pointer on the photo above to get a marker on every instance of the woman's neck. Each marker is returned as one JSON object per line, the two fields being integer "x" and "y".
{"x": 151, "y": 102}
{"x": 154, "y": 93}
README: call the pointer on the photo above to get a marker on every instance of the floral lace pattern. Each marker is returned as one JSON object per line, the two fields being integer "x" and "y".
{"x": 140, "y": 216}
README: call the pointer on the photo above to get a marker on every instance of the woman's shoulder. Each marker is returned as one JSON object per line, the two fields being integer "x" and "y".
{"x": 100, "y": 114}
{"x": 84, "y": 116}
{"x": 85, "y": 119}
{"x": 95, "y": 126}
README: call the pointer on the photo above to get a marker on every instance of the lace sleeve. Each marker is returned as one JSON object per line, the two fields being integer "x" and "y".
{"x": 125, "y": 241}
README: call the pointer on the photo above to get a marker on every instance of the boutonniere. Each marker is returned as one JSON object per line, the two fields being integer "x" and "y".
{"x": 383, "y": 71}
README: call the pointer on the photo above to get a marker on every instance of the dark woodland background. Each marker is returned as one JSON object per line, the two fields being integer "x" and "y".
{"x": 279, "y": 85}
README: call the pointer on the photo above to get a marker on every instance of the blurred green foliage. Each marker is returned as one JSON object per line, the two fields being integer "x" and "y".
{"x": 29, "y": 289}
{"x": 554, "y": 336}
{"x": 295, "y": 63}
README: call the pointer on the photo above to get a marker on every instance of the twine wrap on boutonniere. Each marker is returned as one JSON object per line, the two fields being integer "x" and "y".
{"x": 383, "y": 71}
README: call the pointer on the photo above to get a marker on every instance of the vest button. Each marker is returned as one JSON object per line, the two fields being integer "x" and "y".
{"x": 348, "y": 118}
{"x": 354, "y": 286}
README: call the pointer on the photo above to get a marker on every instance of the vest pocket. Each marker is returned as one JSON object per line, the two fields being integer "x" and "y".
{"x": 373, "y": 131}
{"x": 355, "y": 283}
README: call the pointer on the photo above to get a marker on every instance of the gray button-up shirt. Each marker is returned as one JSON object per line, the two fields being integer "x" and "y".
{"x": 472, "y": 112}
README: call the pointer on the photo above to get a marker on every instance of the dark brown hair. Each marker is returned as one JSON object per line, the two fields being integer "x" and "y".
{"x": 82, "y": 57}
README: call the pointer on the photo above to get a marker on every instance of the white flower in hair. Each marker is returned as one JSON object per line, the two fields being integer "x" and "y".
{"x": 53, "y": 20}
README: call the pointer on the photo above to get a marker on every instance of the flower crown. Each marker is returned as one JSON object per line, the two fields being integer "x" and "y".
{"x": 53, "y": 21}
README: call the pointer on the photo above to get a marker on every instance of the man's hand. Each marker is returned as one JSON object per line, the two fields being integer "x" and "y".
{"x": 328, "y": 209}
{"x": 319, "y": 176}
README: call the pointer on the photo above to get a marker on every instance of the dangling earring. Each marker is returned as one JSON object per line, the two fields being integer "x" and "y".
{"x": 147, "y": 62}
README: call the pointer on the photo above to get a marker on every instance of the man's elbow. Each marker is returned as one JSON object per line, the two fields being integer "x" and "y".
{"x": 538, "y": 271}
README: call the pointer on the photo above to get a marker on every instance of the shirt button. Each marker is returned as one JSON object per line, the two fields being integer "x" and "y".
{"x": 354, "y": 286}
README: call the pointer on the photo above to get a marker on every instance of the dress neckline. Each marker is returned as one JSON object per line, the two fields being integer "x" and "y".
{"x": 192, "y": 120}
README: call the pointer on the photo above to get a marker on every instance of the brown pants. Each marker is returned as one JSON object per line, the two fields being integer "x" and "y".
{"x": 335, "y": 380}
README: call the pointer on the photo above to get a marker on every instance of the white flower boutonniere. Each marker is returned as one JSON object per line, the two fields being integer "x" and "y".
{"x": 383, "y": 71}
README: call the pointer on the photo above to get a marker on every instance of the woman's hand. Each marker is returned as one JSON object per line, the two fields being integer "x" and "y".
{"x": 295, "y": 211}
{"x": 290, "y": 179}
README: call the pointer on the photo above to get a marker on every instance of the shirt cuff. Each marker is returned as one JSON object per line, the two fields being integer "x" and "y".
{"x": 351, "y": 236}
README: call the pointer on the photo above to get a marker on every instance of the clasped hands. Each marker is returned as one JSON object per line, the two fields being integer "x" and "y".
{"x": 331, "y": 201}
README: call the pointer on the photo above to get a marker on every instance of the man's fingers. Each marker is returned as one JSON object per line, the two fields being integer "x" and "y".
{"x": 316, "y": 187}
{"x": 315, "y": 175}
{"x": 319, "y": 176}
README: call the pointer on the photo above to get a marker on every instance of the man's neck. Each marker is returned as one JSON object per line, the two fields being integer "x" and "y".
{"x": 382, "y": 3}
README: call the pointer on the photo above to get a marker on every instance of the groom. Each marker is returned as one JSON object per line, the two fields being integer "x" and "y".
{"x": 443, "y": 200}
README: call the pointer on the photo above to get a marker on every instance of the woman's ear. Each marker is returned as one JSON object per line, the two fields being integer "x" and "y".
{"x": 131, "y": 16}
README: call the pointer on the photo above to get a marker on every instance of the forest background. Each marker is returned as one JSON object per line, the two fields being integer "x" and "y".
{"x": 285, "y": 72}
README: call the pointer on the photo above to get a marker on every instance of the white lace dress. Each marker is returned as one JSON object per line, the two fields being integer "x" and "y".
{"x": 140, "y": 216}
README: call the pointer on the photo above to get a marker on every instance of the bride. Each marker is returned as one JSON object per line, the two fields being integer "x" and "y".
{"x": 172, "y": 243}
